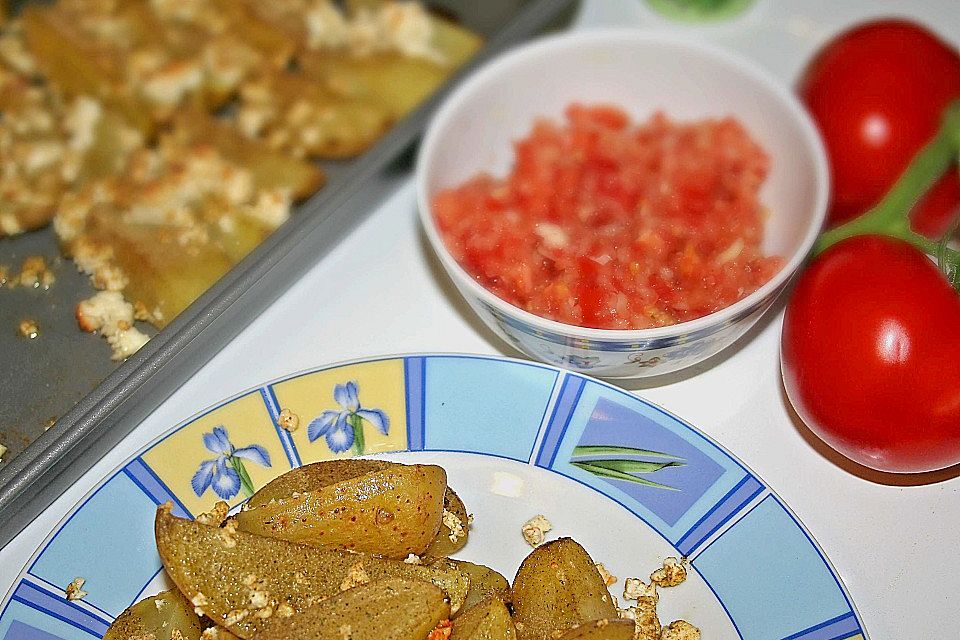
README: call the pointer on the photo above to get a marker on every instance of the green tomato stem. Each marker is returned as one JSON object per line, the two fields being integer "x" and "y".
{"x": 890, "y": 217}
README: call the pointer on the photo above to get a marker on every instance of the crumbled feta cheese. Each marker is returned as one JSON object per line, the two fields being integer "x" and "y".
{"x": 216, "y": 515}
{"x": 259, "y": 598}
{"x": 535, "y": 529}
{"x": 452, "y": 522}
{"x": 608, "y": 578}
{"x": 42, "y": 154}
{"x": 74, "y": 590}
{"x": 81, "y": 122}
{"x": 670, "y": 575}
{"x": 126, "y": 342}
{"x": 169, "y": 85}
{"x": 284, "y": 610}
{"x": 234, "y": 616}
{"x": 288, "y": 420}
{"x": 106, "y": 311}
{"x": 355, "y": 577}
{"x": 9, "y": 224}
{"x": 413, "y": 559}
{"x": 272, "y": 208}
{"x": 228, "y": 533}
{"x": 680, "y": 630}
{"x": 326, "y": 26}
{"x": 635, "y": 588}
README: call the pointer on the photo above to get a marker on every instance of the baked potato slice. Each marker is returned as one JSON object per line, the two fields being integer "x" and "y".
{"x": 270, "y": 169}
{"x": 240, "y": 579}
{"x": 484, "y": 584}
{"x": 488, "y": 620}
{"x": 389, "y": 609}
{"x": 157, "y": 617}
{"x": 392, "y": 512}
{"x": 558, "y": 587}
{"x": 602, "y": 630}
{"x": 318, "y": 475}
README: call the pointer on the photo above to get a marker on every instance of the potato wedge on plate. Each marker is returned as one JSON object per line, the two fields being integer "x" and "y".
{"x": 485, "y": 583}
{"x": 390, "y": 609}
{"x": 158, "y": 617}
{"x": 320, "y": 476}
{"x": 557, "y": 588}
{"x": 392, "y": 512}
{"x": 489, "y": 620}
{"x": 240, "y": 579}
{"x": 602, "y": 630}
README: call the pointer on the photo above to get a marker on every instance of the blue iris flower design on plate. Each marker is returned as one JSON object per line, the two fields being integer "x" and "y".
{"x": 225, "y": 473}
{"x": 344, "y": 428}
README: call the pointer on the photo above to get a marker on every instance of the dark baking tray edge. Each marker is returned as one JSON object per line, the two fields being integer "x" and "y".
{"x": 37, "y": 476}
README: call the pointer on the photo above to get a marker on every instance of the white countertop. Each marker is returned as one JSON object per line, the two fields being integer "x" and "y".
{"x": 381, "y": 292}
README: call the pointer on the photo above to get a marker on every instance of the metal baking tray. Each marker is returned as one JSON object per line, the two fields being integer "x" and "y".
{"x": 67, "y": 375}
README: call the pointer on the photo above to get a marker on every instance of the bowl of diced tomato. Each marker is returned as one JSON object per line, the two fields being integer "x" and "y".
{"x": 620, "y": 202}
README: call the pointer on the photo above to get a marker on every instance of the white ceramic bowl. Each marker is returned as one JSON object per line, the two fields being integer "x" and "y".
{"x": 640, "y": 72}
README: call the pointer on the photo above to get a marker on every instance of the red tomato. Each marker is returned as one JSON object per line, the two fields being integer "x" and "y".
{"x": 871, "y": 355}
{"x": 876, "y": 93}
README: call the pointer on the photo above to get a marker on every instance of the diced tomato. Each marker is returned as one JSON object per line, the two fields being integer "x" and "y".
{"x": 610, "y": 224}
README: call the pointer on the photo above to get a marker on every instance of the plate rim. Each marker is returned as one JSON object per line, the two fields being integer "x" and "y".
{"x": 403, "y": 356}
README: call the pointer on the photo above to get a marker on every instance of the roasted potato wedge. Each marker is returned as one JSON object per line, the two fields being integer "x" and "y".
{"x": 602, "y": 630}
{"x": 484, "y": 584}
{"x": 315, "y": 476}
{"x": 157, "y": 617}
{"x": 557, "y": 588}
{"x": 488, "y": 620}
{"x": 270, "y": 169}
{"x": 225, "y": 572}
{"x": 318, "y": 475}
{"x": 390, "y": 609}
{"x": 444, "y": 544}
{"x": 392, "y": 512}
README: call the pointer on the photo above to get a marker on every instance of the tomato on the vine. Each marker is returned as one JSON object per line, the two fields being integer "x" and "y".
{"x": 871, "y": 355}
{"x": 876, "y": 92}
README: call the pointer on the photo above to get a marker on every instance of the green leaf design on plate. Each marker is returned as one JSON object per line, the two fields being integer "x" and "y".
{"x": 605, "y": 450}
{"x": 632, "y": 466}
{"x": 604, "y": 472}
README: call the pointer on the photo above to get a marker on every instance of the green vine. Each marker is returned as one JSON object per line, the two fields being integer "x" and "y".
{"x": 890, "y": 217}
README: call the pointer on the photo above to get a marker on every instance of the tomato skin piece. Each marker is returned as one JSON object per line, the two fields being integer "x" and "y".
{"x": 877, "y": 93}
{"x": 870, "y": 355}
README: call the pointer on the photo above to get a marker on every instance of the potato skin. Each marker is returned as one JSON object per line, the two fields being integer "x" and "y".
{"x": 602, "y": 630}
{"x": 488, "y": 620}
{"x": 558, "y": 587}
{"x": 484, "y": 583}
{"x": 389, "y": 609}
{"x": 218, "y": 569}
{"x": 392, "y": 512}
{"x": 158, "y": 616}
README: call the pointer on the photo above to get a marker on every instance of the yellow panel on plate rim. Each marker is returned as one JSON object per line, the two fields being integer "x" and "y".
{"x": 246, "y": 425}
{"x": 380, "y": 389}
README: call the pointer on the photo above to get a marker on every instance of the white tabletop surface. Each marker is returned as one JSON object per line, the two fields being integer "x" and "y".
{"x": 381, "y": 292}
